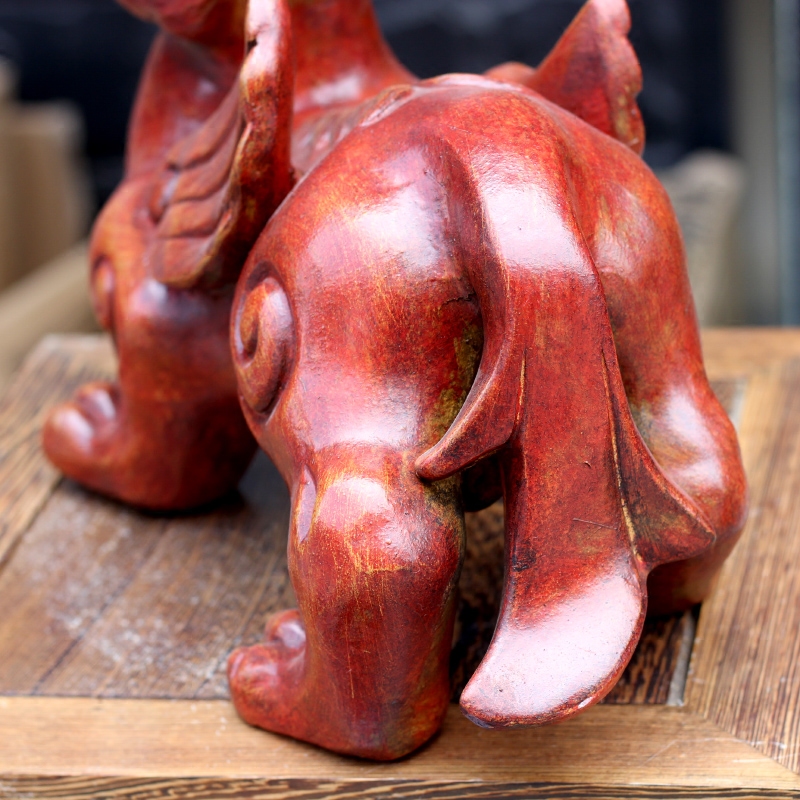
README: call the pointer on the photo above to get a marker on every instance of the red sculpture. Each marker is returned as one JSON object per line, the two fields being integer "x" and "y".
{"x": 477, "y": 284}
{"x": 208, "y": 162}
{"x": 476, "y": 276}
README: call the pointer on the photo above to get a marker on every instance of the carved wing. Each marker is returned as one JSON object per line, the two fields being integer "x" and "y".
{"x": 592, "y": 72}
{"x": 221, "y": 184}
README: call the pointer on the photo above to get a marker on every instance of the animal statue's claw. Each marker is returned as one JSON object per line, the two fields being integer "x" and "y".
{"x": 264, "y": 678}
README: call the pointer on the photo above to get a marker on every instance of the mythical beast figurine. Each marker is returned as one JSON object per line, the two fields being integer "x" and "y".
{"x": 475, "y": 277}
{"x": 231, "y": 110}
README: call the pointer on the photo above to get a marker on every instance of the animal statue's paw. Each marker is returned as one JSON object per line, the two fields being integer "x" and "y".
{"x": 266, "y": 679}
{"x": 273, "y": 686}
{"x": 152, "y": 454}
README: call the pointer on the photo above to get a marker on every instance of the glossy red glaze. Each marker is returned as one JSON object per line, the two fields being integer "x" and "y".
{"x": 208, "y": 162}
{"x": 475, "y": 272}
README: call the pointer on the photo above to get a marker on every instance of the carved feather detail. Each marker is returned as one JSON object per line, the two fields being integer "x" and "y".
{"x": 222, "y": 183}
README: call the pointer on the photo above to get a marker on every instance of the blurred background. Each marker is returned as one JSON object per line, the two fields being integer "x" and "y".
{"x": 721, "y": 103}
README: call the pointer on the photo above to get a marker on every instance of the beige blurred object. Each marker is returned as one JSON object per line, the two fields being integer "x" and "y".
{"x": 53, "y": 194}
{"x": 707, "y": 191}
{"x": 53, "y": 298}
{"x": 45, "y": 201}
{"x": 9, "y": 258}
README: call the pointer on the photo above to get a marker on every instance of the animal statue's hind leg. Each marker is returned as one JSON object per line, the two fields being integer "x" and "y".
{"x": 362, "y": 666}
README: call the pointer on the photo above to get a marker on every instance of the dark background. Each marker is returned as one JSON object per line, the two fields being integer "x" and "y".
{"x": 91, "y": 52}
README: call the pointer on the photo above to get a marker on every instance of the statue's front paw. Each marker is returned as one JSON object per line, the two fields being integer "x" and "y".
{"x": 159, "y": 455}
{"x": 76, "y": 433}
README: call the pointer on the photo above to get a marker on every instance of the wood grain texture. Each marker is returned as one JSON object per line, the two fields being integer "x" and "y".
{"x": 657, "y": 672}
{"x": 51, "y": 373}
{"x": 216, "y": 789}
{"x": 725, "y": 741}
{"x": 105, "y": 601}
{"x": 736, "y": 352}
{"x": 746, "y": 665}
{"x": 607, "y": 746}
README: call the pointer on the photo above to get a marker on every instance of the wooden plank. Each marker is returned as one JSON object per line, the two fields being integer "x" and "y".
{"x": 746, "y": 665}
{"x": 737, "y": 352}
{"x": 607, "y": 746}
{"x": 104, "y": 601}
{"x": 51, "y": 374}
{"x": 142, "y": 748}
{"x": 215, "y": 788}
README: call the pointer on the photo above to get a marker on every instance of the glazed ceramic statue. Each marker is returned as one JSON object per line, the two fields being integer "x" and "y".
{"x": 475, "y": 277}
{"x": 208, "y": 162}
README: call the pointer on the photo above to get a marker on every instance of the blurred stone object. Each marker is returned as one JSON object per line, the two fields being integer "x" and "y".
{"x": 45, "y": 201}
{"x": 707, "y": 189}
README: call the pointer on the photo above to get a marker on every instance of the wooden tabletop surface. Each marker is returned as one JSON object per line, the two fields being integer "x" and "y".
{"x": 116, "y": 626}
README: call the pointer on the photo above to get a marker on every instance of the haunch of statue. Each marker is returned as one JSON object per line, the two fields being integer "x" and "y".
{"x": 478, "y": 283}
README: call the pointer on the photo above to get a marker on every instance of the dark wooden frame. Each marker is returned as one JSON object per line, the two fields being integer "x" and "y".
{"x": 736, "y": 734}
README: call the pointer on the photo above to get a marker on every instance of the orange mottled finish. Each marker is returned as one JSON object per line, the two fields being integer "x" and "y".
{"x": 454, "y": 289}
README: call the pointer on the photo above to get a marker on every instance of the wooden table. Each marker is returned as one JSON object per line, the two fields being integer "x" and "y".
{"x": 115, "y": 627}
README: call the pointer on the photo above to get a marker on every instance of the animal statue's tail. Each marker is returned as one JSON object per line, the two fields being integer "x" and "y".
{"x": 588, "y": 510}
